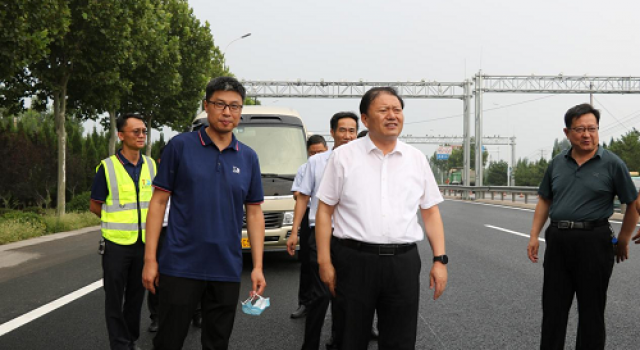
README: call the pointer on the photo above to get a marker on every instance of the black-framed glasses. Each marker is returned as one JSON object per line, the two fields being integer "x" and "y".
{"x": 221, "y": 106}
{"x": 581, "y": 129}
{"x": 138, "y": 132}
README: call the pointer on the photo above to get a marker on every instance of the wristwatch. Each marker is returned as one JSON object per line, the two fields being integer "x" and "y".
{"x": 442, "y": 258}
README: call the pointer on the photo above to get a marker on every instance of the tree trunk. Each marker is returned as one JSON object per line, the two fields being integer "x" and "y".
{"x": 114, "y": 133}
{"x": 149, "y": 119}
{"x": 59, "y": 109}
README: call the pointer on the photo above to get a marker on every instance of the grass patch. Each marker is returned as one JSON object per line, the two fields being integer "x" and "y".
{"x": 15, "y": 228}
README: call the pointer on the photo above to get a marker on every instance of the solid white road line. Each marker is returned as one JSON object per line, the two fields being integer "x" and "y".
{"x": 512, "y": 232}
{"x": 45, "y": 309}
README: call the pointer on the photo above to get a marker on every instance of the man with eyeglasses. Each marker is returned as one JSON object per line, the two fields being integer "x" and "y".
{"x": 120, "y": 196}
{"x": 210, "y": 176}
{"x": 576, "y": 194}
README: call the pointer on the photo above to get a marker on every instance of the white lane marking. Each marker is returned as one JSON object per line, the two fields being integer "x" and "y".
{"x": 45, "y": 309}
{"x": 513, "y": 208}
{"x": 512, "y": 232}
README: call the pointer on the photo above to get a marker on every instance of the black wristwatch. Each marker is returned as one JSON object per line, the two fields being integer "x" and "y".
{"x": 442, "y": 258}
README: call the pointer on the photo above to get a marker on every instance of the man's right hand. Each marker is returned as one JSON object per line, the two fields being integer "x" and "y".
{"x": 328, "y": 276}
{"x": 532, "y": 249}
{"x": 150, "y": 276}
{"x": 292, "y": 242}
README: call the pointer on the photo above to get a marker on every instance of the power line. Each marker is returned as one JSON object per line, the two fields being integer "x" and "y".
{"x": 484, "y": 110}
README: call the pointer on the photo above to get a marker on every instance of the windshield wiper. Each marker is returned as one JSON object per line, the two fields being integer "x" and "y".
{"x": 278, "y": 176}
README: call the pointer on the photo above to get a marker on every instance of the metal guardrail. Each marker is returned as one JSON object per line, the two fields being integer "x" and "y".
{"x": 481, "y": 192}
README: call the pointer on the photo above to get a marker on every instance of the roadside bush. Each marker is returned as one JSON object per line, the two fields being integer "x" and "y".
{"x": 35, "y": 210}
{"x": 24, "y": 217}
{"x": 69, "y": 222}
{"x": 12, "y": 231}
{"x": 79, "y": 202}
{"x": 6, "y": 210}
{"x": 17, "y": 226}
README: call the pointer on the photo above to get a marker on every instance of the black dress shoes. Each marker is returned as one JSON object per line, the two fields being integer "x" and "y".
{"x": 300, "y": 312}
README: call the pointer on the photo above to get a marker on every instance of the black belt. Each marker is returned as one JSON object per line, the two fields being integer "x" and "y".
{"x": 379, "y": 249}
{"x": 577, "y": 225}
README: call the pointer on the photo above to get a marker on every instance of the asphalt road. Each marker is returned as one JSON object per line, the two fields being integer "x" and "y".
{"x": 492, "y": 300}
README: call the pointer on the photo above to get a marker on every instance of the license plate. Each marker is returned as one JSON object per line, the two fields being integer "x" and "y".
{"x": 245, "y": 243}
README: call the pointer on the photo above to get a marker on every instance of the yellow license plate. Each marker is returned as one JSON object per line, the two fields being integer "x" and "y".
{"x": 245, "y": 243}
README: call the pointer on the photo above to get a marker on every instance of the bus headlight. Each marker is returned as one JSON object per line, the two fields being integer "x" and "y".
{"x": 287, "y": 219}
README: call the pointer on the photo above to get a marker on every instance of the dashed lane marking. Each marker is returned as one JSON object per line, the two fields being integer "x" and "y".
{"x": 45, "y": 309}
{"x": 512, "y": 232}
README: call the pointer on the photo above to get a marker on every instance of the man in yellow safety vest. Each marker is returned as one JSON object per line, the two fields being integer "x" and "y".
{"x": 120, "y": 196}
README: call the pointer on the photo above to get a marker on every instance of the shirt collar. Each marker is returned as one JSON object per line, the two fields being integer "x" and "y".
{"x": 126, "y": 161}
{"x": 370, "y": 146}
{"x": 205, "y": 140}
{"x": 598, "y": 153}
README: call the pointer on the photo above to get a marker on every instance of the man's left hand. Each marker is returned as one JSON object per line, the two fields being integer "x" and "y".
{"x": 258, "y": 282}
{"x": 438, "y": 279}
{"x": 622, "y": 251}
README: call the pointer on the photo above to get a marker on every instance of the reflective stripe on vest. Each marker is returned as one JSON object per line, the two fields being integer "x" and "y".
{"x": 120, "y": 210}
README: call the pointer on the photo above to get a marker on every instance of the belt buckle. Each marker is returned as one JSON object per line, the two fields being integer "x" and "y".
{"x": 565, "y": 225}
{"x": 386, "y": 251}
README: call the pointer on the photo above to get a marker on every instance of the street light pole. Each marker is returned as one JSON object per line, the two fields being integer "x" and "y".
{"x": 229, "y": 44}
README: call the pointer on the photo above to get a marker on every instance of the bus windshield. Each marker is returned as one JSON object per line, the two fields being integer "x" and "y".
{"x": 281, "y": 148}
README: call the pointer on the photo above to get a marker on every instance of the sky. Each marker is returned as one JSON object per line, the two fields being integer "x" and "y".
{"x": 441, "y": 40}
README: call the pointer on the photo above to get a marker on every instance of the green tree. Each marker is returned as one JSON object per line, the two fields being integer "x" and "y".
{"x": 628, "y": 149}
{"x": 496, "y": 174}
{"x": 27, "y": 31}
{"x": 559, "y": 146}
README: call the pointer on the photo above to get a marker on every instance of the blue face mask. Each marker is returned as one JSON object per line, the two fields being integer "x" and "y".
{"x": 250, "y": 308}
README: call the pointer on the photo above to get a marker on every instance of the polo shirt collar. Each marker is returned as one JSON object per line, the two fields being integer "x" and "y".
{"x": 370, "y": 146}
{"x": 205, "y": 140}
{"x": 598, "y": 153}
{"x": 126, "y": 161}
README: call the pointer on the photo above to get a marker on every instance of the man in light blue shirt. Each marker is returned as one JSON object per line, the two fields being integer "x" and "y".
{"x": 315, "y": 144}
{"x": 344, "y": 128}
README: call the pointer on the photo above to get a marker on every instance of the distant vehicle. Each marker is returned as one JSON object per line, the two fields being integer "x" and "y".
{"x": 456, "y": 177}
{"x": 278, "y": 136}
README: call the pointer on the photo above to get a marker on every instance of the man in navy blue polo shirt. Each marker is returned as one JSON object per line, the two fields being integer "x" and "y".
{"x": 210, "y": 177}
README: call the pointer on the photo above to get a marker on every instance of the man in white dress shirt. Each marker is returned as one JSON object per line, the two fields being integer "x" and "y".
{"x": 373, "y": 188}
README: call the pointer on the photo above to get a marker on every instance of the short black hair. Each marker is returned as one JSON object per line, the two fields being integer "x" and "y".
{"x": 224, "y": 84}
{"x": 363, "y": 133}
{"x": 578, "y": 111}
{"x": 340, "y": 115}
{"x": 371, "y": 95}
{"x": 121, "y": 122}
{"x": 316, "y": 139}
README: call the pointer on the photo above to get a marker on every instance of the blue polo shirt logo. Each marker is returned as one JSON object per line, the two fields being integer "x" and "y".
{"x": 236, "y": 170}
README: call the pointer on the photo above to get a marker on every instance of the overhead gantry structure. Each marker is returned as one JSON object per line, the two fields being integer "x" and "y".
{"x": 465, "y": 91}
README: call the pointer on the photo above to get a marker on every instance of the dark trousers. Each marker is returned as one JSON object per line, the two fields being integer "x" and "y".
{"x": 576, "y": 262}
{"x": 304, "y": 289}
{"x": 178, "y": 301}
{"x": 124, "y": 292}
{"x": 319, "y": 299}
{"x": 369, "y": 283}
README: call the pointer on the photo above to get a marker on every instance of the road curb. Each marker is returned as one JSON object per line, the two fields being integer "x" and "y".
{"x": 47, "y": 238}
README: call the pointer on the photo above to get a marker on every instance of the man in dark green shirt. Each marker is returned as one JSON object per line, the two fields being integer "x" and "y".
{"x": 577, "y": 194}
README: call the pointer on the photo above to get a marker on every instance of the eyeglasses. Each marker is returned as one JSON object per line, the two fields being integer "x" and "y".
{"x": 137, "y": 132}
{"x": 581, "y": 129}
{"x": 221, "y": 106}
